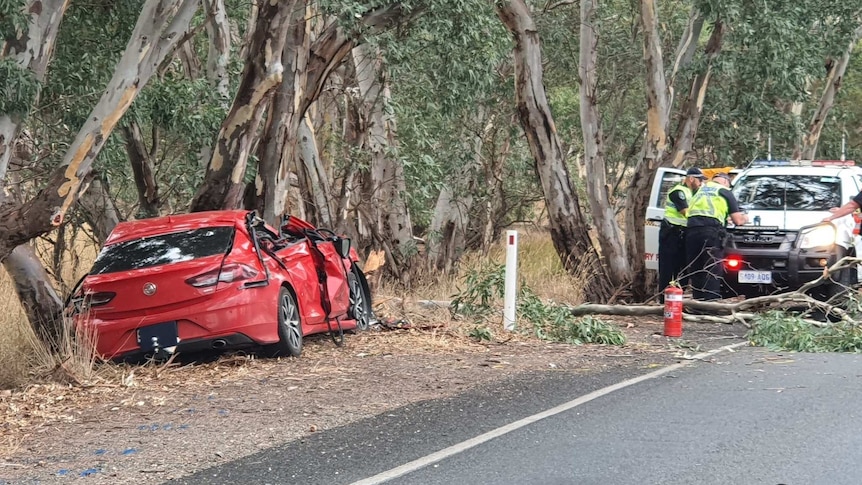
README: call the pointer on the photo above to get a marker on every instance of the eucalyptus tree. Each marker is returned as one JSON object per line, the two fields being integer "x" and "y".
{"x": 160, "y": 27}
{"x": 755, "y": 63}
{"x": 835, "y": 70}
{"x": 29, "y": 31}
{"x": 450, "y": 92}
{"x": 771, "y": 57}
{"x": 598, "y": 190}
{"x": 568, "y": 227}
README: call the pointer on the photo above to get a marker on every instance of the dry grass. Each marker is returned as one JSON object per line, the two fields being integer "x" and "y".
{"x": 17, "y": 337}
{"x": 539, "y": 268}
{"x": 23, "y": 357}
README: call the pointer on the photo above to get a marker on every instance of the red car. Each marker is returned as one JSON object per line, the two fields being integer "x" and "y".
{"x": 219, "y": 280}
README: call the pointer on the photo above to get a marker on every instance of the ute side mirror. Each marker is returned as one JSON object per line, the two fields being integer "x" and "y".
{"x": 342, "y": 245}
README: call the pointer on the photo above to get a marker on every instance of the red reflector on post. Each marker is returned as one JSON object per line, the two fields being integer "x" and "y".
{"x": 511, "y": 239}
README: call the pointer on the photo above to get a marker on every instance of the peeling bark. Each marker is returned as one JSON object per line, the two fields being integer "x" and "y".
{"x": 278, "y": 144}
{"x": 568, "y": 227}
{"x": 834, "y": 78}
{"x": 160, "y": 26}
{"x": 218, "y": 51}
{"x": 32, "y": 50}
{"x": 223, "y": 184}
{"x": 313, "y": 179}
{"x": 610, "y": 236}
{"x": 308, "y": 64}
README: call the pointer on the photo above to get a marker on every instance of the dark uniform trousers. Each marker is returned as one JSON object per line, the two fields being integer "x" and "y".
{"x": 671, "y": 255}
{"x": 704, "y": 246}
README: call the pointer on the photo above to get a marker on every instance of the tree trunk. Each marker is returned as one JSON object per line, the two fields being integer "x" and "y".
{"x": 218, "y": 57}
{"x": 388, "y": 198}
{"x": 98, "y": 209}
{"x": 448, "y": 231}
{"x": 160, "y": 26}
{"x": 693, "y": 105}
{"x": 223, "y": 183}
{"x": 313, "y": 179}
{"x": 598, "y": 191}
{"x": 832, "y": 84}
{"x": 278, "y": 144}
{"x": 351, "y": 207}
{"x": 655, "y": 143}
{"x": 32, "y": 50}
{"x": 42, "y": 304}
{"x": 189, "y": 60}
{"x": 687, "y": 44}
{"x": 568, "y": 228}
{"x": 142, "y": 170}
{"x": 218, "y": 50}
{"x": 308, "y": 66}
{"x": 495, "y": 207}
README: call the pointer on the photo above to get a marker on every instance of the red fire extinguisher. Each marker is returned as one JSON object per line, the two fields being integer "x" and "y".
{"x": 673, "y": 311}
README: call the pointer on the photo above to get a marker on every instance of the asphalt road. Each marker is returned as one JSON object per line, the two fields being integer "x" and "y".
{"x": 744, "y": 417}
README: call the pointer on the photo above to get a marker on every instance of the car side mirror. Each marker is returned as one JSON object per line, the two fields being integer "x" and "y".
{"x": 342, "y": 245}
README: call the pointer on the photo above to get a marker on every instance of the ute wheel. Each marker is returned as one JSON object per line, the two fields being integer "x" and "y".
{"x": 289, "y": 327}
{"x": 841, "y": 282}
{"x": 360, "y": 299}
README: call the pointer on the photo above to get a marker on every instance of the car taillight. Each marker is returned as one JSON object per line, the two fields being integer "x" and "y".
{"x": 732, "y": 262}
{"x": 93, "y": 299}
{"x": 227, "y": 274}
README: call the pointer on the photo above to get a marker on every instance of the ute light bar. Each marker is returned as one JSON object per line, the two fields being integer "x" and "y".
{"x": 803, "y": 163}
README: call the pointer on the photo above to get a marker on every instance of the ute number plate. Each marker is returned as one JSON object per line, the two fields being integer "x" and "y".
{"x": 756, "y": 277}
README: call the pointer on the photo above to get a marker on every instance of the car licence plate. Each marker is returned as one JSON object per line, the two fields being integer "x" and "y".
{"x": 755, "y": 277}
{"x": 158, "y": 337}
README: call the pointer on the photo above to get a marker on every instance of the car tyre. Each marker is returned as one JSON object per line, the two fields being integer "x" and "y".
{"x": 289, "y": 326}
{"x": 360, "y": 300}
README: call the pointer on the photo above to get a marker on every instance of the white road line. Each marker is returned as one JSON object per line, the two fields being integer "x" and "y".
{"x": 482, "y": 438}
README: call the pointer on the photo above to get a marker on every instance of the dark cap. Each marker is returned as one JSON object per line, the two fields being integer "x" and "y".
{"x": 721, "y": 175}
{"x": 695, "y": 172}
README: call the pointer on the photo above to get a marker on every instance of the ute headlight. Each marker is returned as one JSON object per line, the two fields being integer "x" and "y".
{"x": 817, "y": 236}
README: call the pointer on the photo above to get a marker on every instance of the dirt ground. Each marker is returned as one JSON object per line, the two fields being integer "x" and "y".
{"x": 154, "y": 423}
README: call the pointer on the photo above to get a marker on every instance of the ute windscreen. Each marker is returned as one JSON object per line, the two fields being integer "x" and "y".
{"x": 163, "y": 249}
{"x": 788, "y": 192}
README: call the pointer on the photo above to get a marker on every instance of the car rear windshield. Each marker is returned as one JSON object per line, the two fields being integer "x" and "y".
{"x": 164, "y": 249}
{"x": 788, "y": 192}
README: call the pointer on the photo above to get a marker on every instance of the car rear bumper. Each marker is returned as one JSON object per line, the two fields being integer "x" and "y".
{"x": 196, "y": 346}
{"x": 244, "y": 318}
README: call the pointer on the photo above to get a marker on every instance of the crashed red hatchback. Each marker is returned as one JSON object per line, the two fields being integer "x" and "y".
{"x": 219, "y": 280}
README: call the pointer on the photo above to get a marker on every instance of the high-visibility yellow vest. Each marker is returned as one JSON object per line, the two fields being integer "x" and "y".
{"x": 709, "y": 203}
{"x": 671, "y": 214}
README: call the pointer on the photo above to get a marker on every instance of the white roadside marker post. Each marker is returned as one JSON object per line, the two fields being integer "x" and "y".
{"x": 511, "y": 280}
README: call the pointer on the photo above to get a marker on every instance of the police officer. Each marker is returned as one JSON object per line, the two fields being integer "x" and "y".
{"x": 671, "y": 235}
{"x": 707, "y": 213}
